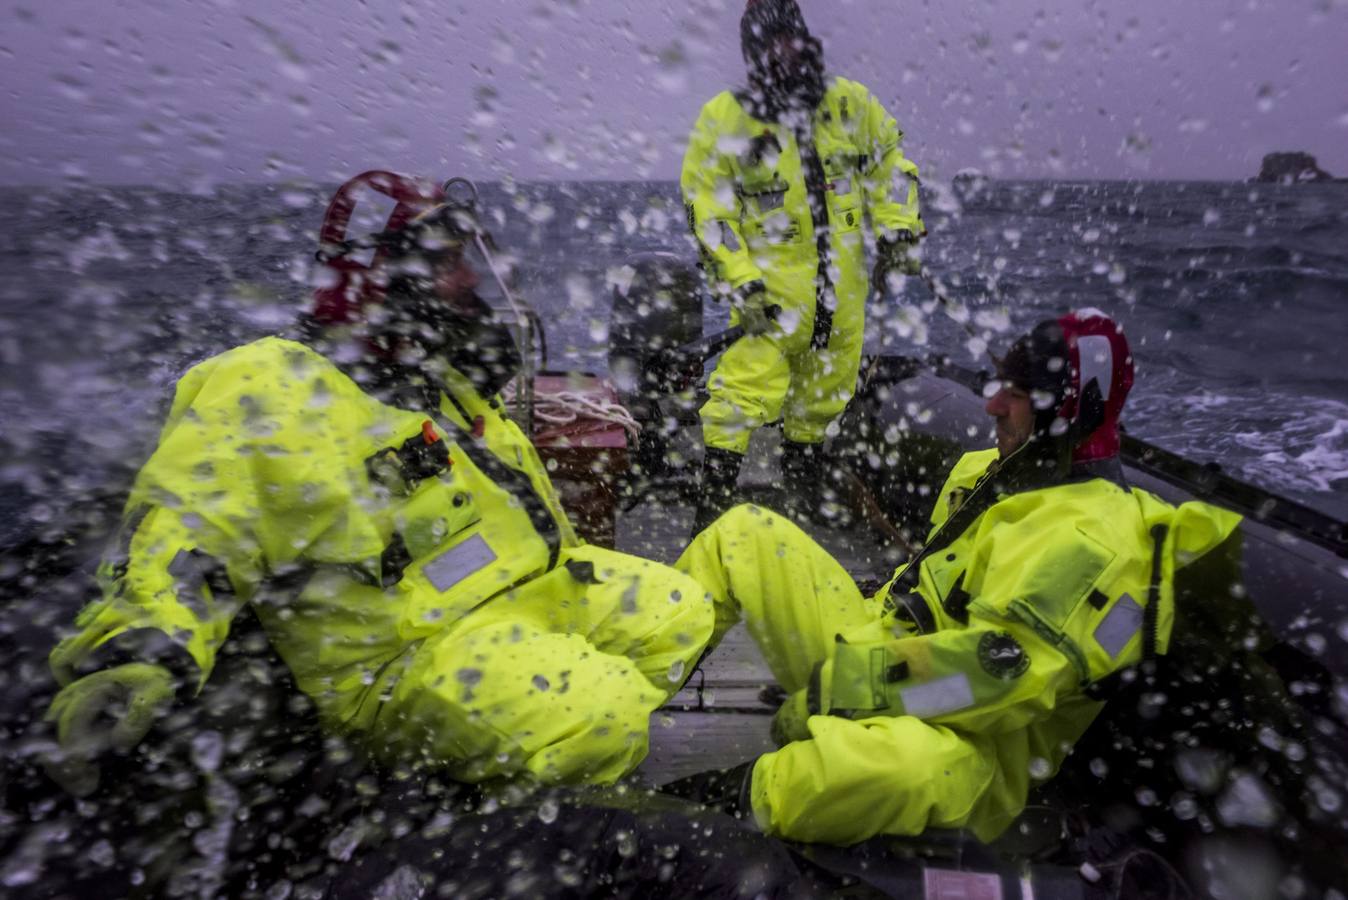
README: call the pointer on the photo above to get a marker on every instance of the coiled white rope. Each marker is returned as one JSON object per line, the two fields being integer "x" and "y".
{"x": 567, "y": 407}
{"x": 563, "y": 407}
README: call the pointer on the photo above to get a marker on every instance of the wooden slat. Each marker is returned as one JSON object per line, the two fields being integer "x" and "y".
{"x": 685, "y": 743}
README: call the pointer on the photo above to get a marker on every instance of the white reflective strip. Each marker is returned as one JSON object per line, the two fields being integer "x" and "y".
{"x": 950, "y": 884}
{"x": 1119, "y": 626}
{"x": 458, "y": 562}
{"x": 729, "y": 238}
{"x": 1097, "y": 361}
{"x": 842, "y": 186}
{"x": 936, "y": 698}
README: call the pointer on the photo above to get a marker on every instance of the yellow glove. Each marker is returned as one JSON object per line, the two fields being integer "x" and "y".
{"x": 789, "y": 722}
{"x": 109, "y": 710}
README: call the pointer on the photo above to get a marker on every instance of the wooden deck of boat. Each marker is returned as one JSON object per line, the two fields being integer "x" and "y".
{"x": 718, "y": 719}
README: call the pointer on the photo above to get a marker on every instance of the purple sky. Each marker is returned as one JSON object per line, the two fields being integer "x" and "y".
{"x": 184, "y": 91}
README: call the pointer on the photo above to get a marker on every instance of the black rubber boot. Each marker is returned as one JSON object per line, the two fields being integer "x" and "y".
{"x": 803, "y": 475}
{"x": 720, "y": 471}
{"x": 724, "y": 790}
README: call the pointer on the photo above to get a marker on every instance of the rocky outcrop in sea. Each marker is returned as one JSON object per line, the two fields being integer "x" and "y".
{"x": 1295, "y": 167}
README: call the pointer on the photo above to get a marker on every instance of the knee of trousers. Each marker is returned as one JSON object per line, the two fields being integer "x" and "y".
{"x": 505, "y": 701}
{"x": 741, "y": 541}
{"x": 751, "y": 522}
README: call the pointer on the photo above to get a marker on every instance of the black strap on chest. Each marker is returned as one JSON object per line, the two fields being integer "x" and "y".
{"x": 1152, "y": 612}
{"x": 1020, "y": 471}
{"x": 511, "y": 479}
{"x": 426, "y": 455}
{"x": 522, "y": 487}
{"x": 1114, "y": 682}
{"x": 985, "y": 493}
{"x": 816, "y": 189}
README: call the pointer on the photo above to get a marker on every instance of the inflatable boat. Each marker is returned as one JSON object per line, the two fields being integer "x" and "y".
{"x": 1219, "y": 772}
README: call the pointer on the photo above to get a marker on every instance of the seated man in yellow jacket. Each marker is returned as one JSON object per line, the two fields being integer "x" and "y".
{"x": 938, "y": 702}
{"x": 401, "y": 544}
{"x": 778, "y": 180}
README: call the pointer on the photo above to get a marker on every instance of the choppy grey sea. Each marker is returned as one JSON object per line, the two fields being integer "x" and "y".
{"x": 1235, "y": 298}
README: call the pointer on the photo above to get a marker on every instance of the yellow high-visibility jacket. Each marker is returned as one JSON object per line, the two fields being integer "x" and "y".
{"x": 744, "y": 185}
{"x": 973, "y": 685}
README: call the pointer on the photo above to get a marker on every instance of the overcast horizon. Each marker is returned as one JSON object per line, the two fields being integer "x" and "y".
{"x": 189, "y": 93}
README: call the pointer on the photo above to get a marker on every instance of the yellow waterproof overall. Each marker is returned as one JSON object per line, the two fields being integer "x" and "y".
{"x": 744, "y": 183}
{"x": 414, "y": 570}
{"x": 940, "y": 707}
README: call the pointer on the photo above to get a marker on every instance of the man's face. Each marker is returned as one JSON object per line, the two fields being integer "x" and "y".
{"x": 784, "y": 62}
{"x": 785, "y": 51}
{"x": 1013, "y": 409}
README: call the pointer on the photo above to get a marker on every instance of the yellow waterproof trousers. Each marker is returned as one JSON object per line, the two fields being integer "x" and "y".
{"x": 556, "y": 679}
{"x": 844, "y": 779}
{"x": 762, "y": 377}
{"x": 840, "y": 780}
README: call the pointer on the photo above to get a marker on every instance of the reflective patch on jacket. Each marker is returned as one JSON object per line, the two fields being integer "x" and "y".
{"x": 459, "y": 562}
{"x": 936, "y": 698}
{"x": 1120, "y": 625}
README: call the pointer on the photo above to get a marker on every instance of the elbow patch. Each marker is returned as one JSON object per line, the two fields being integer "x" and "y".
{"x": 923, "y": 678}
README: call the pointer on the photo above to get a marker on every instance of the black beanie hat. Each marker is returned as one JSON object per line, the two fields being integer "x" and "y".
{"x": 1038, "y": 362}
{"x": 764, "y": 20}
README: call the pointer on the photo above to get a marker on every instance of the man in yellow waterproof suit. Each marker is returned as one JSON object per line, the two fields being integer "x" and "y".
{"x": 939, "y": 702}
{"x": 401, "y": 544}
{"x": 777, "y": 180}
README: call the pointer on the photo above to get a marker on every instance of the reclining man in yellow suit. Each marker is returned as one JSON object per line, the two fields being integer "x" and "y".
{"x": 401, "y": 544}
{"x": 938, "y": 702}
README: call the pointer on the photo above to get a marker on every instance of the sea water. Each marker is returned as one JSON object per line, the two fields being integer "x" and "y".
{"x": 1234, "y": 297}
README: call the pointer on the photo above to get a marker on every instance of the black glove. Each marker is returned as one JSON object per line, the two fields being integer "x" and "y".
{"x": 724, "y": 790}
{"x": 754, "y": 313}
{"x": 897, "y": 253}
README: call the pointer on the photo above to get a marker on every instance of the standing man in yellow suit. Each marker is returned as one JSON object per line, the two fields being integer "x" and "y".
{"x": 938, "y": 702}
{"x": 777, "y": 179}
{"x": 400, "y": 542}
